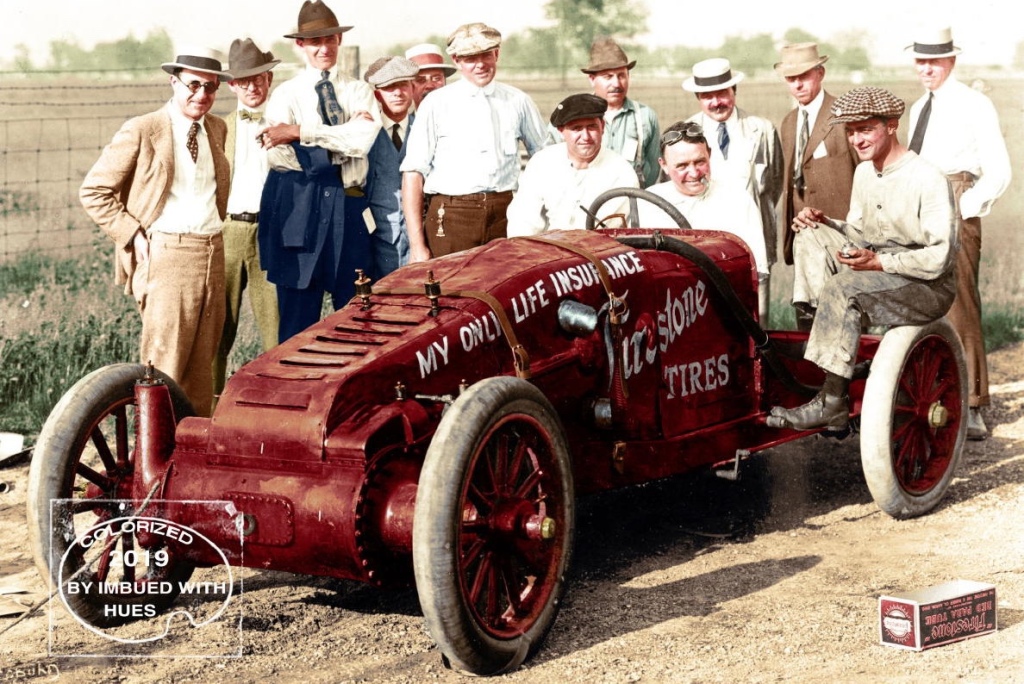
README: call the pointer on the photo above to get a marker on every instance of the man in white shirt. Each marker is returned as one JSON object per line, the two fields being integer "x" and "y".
{"x": 393, "y": 80}
{"x": 312, "y": 234}
{"x": 956, "y": 128}
{"x": 560, "y": 183}
{"x": 463, "y": 151}
{"x": 251, "y": 74}
{"x": 892, "y": 258}
{"x": 705, "y": 203}
{"x": 160, "y": 191}
{"x": 745, "y": 149}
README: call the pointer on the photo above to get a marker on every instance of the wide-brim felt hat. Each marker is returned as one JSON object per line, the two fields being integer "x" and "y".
{"x": 316, "y": 20}
{"x": 428, "y": 56}
{"x": 711, "y": 75}
{"x": 934, "y": 44}
{"x": 799, "y": 58}
{"x": 199, "y": 59}
{"x": 866, "y": 102}
{"x": 245, "y": 59}
{"x": 606, "y": 54}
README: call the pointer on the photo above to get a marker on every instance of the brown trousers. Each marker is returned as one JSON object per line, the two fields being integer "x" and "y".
{"x": 459, "y": 222}
{"x": 965, "y": 314}
{"x": 180, "y": 292}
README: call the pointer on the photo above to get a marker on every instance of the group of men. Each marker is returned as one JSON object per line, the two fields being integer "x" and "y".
{"x": 330, "y": 174}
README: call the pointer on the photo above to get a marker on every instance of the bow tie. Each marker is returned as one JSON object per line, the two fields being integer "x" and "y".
{"x": 245, "y": 114}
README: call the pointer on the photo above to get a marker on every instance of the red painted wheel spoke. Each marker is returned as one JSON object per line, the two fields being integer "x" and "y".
{"x": 511, "y": 592}
{"x": 501, "y": 470}
{"x": 101, "y": 481}
{"x": 103, "y": 449}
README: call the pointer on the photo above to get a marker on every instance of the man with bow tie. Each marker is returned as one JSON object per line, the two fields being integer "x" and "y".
{"x": 463, "y": 151}
{"x": 312, "y": 235}
{"x": 159, "y": 191}
{"x": 251, "y": 74}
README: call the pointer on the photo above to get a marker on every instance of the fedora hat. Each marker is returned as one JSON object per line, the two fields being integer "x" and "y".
{"x": 712, "y": 74}
{"x": 428, "y": 56}
{"x": 799, "y": 58}
{"x": 199, "y": 59}
{"x": 606, "y": 54}
{"x": 245, "y": 59}
{"x": 934, "y": 44}
{"x": 316, "y": 20}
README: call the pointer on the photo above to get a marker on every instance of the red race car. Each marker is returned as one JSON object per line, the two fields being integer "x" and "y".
{"x": 438, "y": 429}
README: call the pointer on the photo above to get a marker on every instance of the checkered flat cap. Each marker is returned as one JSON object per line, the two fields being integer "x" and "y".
{"x": 867, "y": 102}
{"x": 388, "y": 70}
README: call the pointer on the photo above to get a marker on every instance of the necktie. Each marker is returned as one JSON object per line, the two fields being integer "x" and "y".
{"x": 246, "y": 115}
{"x": 922, "y": 124}
{"x": 723, "y": 140}
{"x": 330, "y": 110}
{"x": 801, "y": 147}
{"x": 396, "y": 137}
{"x": 191, "y": 142}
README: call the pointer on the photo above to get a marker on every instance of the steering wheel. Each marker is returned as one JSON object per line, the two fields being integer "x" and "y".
{"x": 634, "y": 194}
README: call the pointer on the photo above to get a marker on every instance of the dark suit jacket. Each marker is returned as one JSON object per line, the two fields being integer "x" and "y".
{"x": 828, "y": 179}
{"x": 127, "y": 187}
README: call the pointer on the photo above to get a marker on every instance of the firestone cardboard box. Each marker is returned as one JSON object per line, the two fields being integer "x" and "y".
{"x": 937, "y": 615}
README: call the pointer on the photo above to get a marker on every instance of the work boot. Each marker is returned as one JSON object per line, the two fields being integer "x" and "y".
{"x": 823, "y": 411}
{"x": 804, "y": 316}
{"x": 976, "y": 429}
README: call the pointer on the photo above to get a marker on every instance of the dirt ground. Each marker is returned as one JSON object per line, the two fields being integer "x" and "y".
{"x": 774, "y": 578}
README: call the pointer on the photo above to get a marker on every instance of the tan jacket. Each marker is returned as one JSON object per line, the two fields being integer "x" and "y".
{"x": 128, "y": 185}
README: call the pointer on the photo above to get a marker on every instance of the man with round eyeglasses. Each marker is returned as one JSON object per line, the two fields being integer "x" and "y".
{"x": 159, "y": 191}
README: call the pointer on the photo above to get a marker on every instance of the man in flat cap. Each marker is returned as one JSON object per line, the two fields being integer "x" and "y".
{"x": 632, "y": 127}
{"x": 433, "y": 72}
{"x": 251, "y": 76}
{"x": 898, "y": 267}
{"x": 745, "y": 149}
{"x": 706, "y": 203}
{"x": 392, "y": 80}
{"x": 956, "y": 128}
{"x": 819, "y": 161}
{"x": 160, "y": 191}
{"x": 312, "y": 233}
{"x": 561, "y": 181}
{"x": 463, "y": 151}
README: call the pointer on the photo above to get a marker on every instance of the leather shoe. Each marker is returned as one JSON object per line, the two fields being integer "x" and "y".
{"x": 976, "y": 429}
{"x": 823, "y": 411}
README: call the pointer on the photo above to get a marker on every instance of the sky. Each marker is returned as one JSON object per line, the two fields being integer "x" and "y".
{"x": 988, "y": 33}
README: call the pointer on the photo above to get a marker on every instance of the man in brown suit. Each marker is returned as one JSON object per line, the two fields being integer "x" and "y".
{"x": 159, "y": 191}
{"x": 819, "y": 162}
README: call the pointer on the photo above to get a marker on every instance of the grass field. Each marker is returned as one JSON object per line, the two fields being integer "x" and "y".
{"x": 61, "y": 316}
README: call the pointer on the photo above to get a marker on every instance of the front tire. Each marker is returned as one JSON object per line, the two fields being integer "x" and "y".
{"x": 914, "y": 418}
{"x": 493, "y": 526}
{"x": 85, "y": 452}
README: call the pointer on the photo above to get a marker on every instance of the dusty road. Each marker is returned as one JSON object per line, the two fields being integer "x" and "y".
{"x": 775, "y": 578}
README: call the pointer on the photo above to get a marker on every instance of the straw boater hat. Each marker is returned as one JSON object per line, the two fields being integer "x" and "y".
{"x": 799, "y": 58}
{"x": 581, "y": 106}
{"x": 606, "y": 54}
{"x": 200, "y": 59}
{"x": 428, "y": 56}
{"x": 389, "y": 70}
{"x": 472, "y": 39}
{"x": 316, "y": 20}
{"x": 934, "y": 44}
{"x": 245, "y": 59}
{"x": 866, "y": 102}
{"x": 712, "y": 74}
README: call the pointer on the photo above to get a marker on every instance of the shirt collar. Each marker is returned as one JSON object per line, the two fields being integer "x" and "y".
{"x": 813, "y": 108}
